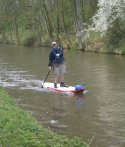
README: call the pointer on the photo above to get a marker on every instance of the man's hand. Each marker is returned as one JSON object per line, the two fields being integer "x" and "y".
{"x": 57, "y": 55}
{"x": 50, "y": 67}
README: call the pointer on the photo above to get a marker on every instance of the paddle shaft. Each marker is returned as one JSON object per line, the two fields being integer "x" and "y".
{"x": 48, "y": 74}
{"x": 45, "y": 78}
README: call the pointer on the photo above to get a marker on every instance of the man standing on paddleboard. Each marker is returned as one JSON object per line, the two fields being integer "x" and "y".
{"x": 56, "y": 62}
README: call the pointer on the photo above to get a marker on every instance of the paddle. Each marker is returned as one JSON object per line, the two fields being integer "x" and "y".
{"x": 45, "y": 78}
{"x": 48, "y": 74}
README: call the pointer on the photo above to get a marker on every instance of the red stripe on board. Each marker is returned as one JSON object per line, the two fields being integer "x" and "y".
{"x": 74, "y": 91}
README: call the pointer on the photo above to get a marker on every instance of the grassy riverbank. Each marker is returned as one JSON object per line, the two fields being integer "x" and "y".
{"x": 99, "y": 44}
{"x": 18, "y": 128}
{"x": 95, "y": 43}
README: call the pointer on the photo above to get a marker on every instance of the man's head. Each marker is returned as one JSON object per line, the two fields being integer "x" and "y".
{"x": 54, "y": 44}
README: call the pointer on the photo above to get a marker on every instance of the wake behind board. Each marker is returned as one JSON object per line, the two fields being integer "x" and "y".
{"x": 73, "y": 89}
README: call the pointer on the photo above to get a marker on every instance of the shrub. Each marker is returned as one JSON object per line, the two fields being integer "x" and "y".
{"x": 29, "y": 40}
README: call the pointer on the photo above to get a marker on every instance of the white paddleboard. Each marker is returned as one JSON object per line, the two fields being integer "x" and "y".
{"x": 50, "y": 86}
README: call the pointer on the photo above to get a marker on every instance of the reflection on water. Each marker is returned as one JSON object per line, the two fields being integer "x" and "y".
{"x": 97, "y": 115}
{"x": 79, "y": 100}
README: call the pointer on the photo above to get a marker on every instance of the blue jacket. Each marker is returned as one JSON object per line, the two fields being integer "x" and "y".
{"x": 56, "y": 56}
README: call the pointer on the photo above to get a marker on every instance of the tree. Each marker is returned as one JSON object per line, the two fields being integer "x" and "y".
{"x": 108, "y": 12}
{"x": 46, "y": 20}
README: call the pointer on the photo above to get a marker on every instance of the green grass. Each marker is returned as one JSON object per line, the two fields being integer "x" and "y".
{"x": 123, "y": 50}
{"x": 19, "y": 128}
{"x": 29, "y": 39}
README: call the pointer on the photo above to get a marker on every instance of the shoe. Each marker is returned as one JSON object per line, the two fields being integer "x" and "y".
{"x": 55, "y": 85}
{"x": 62, "y": 84}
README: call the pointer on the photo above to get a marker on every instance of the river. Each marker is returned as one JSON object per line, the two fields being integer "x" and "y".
{"x": 97, "y": 116}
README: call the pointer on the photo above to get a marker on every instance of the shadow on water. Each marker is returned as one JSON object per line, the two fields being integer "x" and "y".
{"x": 79, "y": 98}
{"x": 60, "y": 112}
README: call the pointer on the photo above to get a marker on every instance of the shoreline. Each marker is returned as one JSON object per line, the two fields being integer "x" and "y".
{"x": 92, "y": 47}
{"x": 19, "y": 128}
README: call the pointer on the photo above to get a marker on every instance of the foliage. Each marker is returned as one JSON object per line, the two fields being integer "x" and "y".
{"x": 107, "y": 13}
{"x": 61, "y": 20}
{"x": 29, "y": 39}
{"x": 123, "y": 51}
{"x": 116, "y": 36}
{"x": 48, "y": 19}
{"x": 109, "y": 20}
{"x": 18, "y": 128}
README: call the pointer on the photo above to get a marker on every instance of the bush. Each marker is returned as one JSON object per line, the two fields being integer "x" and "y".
{"x": 123, "y": 51}
{"x": 29, "y": 40}
{"x": 116, "y": 34}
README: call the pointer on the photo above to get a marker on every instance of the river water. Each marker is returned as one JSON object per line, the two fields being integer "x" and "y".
{"x": 98, "y": 116}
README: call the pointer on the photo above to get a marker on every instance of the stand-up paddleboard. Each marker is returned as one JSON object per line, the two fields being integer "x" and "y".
{"x": 67, "y": 88}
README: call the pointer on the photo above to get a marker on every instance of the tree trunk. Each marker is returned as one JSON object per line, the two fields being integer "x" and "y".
{"x": 40, "y": 25}
{"x": 16, "y": 29}
{"x": 3, "y": 35}
{"x": 79, "y": 23}
{"x": 10, "y": 32}
{"x": 58, "y": 20}
{"x": 37, "y": 29}
{"x": 64, "y": 26}
{"x": 48, "y": 21}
